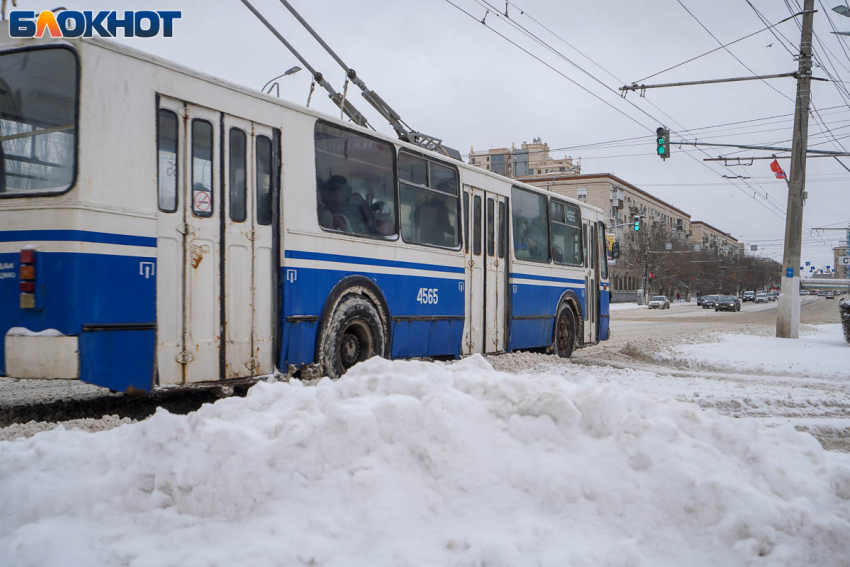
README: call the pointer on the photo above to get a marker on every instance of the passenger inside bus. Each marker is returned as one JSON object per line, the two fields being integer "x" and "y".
{"x": 383, "y": 218}
{"x": 431, "y": 217}
{"x": 340, "y": 208}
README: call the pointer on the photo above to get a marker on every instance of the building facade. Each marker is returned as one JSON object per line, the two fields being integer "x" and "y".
{"x": 529, "y": 159}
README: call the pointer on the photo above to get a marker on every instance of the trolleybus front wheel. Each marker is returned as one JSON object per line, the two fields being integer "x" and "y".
{"x": 355, "y": 334}
{"x": 565, "y": 332}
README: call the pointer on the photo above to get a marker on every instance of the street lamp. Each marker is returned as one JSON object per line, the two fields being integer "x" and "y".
{"x": 290, "y": 71}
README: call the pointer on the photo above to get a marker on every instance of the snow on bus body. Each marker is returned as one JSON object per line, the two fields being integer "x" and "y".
{"x": 126, "y": 276}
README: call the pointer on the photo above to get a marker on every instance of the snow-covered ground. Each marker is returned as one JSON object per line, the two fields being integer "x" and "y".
{"x": 417, "y": 463}
{"x": 817, "y": 353}
{"x": 628, "y": 306}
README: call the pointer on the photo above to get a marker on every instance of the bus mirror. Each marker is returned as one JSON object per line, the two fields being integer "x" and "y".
{"x": 615, "y": 250}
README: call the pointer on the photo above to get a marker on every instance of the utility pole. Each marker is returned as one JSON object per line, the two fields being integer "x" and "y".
{"x": 788, "y": 317}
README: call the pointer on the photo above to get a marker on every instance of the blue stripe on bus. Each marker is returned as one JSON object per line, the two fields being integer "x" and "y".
{"x": 76, "y": 236}
{"x": 300, "y": 255}
{"x": 545, "y": 278}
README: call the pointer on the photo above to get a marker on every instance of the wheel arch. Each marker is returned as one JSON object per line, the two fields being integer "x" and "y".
{"x": 571, "y": 299}
{"x": 359, "y": 285}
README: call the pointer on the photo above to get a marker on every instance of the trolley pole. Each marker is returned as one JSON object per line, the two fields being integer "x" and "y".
{"x": 788, "y": 317}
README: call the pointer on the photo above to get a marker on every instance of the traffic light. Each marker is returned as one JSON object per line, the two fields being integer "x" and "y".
{"x": 662, "y": 140}
{"x": 637, "y": 222}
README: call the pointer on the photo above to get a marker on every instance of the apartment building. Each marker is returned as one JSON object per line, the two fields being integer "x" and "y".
{"x": 840, "y": 271}
{"x": 713, "y": 239}
{"x": 529, "y": 159}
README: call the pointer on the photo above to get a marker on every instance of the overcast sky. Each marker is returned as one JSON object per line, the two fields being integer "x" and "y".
{"x": 450, "y": 76}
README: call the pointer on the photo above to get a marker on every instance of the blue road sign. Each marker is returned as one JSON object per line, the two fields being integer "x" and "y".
{"x": 789, "y": 273}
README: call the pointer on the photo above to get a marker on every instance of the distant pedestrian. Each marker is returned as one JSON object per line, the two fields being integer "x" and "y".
{"x": 677, "y": 296}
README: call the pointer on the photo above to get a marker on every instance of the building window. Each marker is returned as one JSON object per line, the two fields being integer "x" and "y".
{"x": 581, "y": 194}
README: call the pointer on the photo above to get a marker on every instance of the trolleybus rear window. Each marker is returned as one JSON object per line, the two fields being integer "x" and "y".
{"x": 38, "y": 121}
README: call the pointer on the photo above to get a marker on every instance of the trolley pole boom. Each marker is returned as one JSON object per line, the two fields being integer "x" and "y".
{"x": 403, "y": 131}
{"x": 337, "y": 98}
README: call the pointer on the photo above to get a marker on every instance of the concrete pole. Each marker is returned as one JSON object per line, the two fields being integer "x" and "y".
{"x": 788, "y": 318}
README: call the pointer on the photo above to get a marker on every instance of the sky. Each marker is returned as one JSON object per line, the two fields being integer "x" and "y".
{"x": 448, "y": 75}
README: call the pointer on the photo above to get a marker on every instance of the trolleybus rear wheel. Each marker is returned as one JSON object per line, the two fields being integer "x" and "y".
{"x": 565, "y": 332}
{"x": 355, "y": 334}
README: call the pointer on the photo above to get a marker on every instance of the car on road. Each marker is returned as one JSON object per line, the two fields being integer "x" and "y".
{"x": 659, "y": 302}
{"x": 708, "y": 301}
{"x": 773, "y": 295}
{"x": 749, "y": 296}
{"x": 821, "y": 293}
{"x": 761, "y": 298}
{"x": 804, "y": 292}
{"x": 830, "y": 295}
{"x": 727, "y": 303}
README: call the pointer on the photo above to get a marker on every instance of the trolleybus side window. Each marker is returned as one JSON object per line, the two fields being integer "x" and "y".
{"x": 491, "y": 227}
{"x": 531, "y": 225}
{"x": 166, "y": 141}
{"x": 264, "y": 180}
{"x": 38, "y": 121}
{"x": 476, "y": 227}
{"x": 503, "y": 230}
{"x": 429, "y": 202}
{"x": 202, "y": 168}
{"x": 466, "y": 219}
{"x": 566, "y": 233}
{"x": 355, "y": 182}
{"x": 237, "y": 175}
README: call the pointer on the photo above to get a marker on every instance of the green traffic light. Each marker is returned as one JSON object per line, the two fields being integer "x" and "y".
{"x": 661, "y": 150}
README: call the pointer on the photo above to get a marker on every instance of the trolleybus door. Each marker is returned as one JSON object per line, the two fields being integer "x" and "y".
{"x": 591, "y": 290}
{"x": 202, "y": 202}
{"x": 171, "y": 227}
{"x": 495, "y": 222}
{"x": 237, "y": 244}
{"x": 475, "y": 262}
{"x": 247, "y": 241}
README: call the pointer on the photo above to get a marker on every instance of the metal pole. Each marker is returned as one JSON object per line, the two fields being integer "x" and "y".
{"x": 788, "y": 317}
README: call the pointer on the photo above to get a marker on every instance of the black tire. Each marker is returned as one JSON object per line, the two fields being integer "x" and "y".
{"x": 565, "y": 332}
{"x": 353, "y": 334}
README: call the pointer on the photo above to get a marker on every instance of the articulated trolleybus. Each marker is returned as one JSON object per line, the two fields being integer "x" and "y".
{"x": 160, "y": 227}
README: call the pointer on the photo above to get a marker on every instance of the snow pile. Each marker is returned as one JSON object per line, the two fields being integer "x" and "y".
{"x": 822, "y": 353}
{"x": 417, "y": 463}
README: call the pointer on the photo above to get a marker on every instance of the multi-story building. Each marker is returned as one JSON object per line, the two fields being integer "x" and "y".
{"x": 530, "y": 159}
{"x": 713, "y": 239}
{"x": 842, "y": 272}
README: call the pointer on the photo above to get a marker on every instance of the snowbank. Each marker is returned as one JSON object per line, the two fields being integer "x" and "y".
{"x": 416, "y": 463}
{"x": 821, "y": 353}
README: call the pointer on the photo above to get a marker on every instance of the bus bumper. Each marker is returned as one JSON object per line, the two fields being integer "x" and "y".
{"x": 35, "y": 356}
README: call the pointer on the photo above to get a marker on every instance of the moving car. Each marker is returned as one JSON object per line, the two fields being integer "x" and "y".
{"x": 830, "y": 295}
{"x": 708, "y": 301}
{"x": 772, "y": 295}
{"x": 659, "y": 302}
{"x": 727, "y": 303}
{"x": 749, "y": 296}
{"x": 762, "y": 298}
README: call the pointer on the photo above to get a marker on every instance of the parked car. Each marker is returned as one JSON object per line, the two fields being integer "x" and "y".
{"x": 804, "y": 292}
{"x": 749, "y": 296}
{"x": 813, "y": 292}
{"x": 830, "y": 295}
{"x": 761, "y": 298}
{"x": 727, "y": 303}
{"x": 659, "y": 302}
{"x": 708, "y": 301}
{"x": 821, "y": 293}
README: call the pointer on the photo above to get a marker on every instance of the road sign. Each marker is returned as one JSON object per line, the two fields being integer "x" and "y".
{"x": 789, "y": 272}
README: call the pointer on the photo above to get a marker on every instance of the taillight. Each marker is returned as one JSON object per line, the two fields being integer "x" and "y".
{"x": 27, "y": 276}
